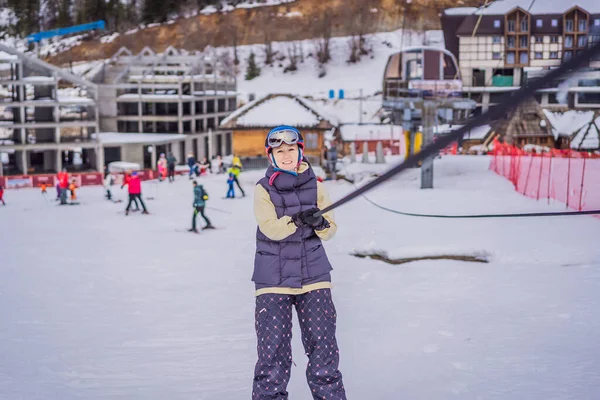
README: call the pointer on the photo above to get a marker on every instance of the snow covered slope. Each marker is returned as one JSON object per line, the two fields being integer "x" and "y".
{"x": 366, "y": 74}
{"x": 96, "y": 305}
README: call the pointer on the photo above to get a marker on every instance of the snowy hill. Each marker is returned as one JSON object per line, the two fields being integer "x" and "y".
{"x": 367, "y": 74}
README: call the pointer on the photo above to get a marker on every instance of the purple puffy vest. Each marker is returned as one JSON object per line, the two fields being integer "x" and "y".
{"x": 301, "y": 256}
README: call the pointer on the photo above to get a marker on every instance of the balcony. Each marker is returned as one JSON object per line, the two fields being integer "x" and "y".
{"x": 502, "y": 81}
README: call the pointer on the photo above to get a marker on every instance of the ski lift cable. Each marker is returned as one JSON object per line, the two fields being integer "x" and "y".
{"x": 509, "y": 102}
{"x": 482, "y": 216}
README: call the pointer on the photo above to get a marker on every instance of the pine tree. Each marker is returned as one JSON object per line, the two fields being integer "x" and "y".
{"x": 253, "y": 70}
{"x": 64, "y": 14}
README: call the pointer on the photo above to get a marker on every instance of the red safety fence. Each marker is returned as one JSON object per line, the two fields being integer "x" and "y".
{"x": 81, "y": 179}
{"x": 567, "y": 176}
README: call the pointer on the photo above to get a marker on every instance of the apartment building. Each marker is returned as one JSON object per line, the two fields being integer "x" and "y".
{"x": 502, "y": 45}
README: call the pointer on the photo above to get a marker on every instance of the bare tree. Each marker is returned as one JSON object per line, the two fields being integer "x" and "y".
{"x": 293, "y": 51}
{"x": 324, "y": 28}
{"x": 267, "y": 19}
{"x": 361, "y": 17}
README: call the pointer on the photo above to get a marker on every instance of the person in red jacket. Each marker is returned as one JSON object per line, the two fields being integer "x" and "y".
{"x": 135, "y": 192}
{"x": 63, "y": 184}
{"x": 2, "y": 195}
{"x": 126, "y": 180}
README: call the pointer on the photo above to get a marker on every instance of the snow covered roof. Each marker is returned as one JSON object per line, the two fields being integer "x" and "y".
{"x": 347, "y": 111}
{"x": 279, "y": 109}
{"x": 6, "y": 56}
{"x": 351, "y": 132}
{"x": 153, "y": 97}
{"x": 478, "y": 133}
{"x": 460, "y": 11}
{"x": 569, "y": 122}
{"x": 588, "y": 136}
{"x": 501, "y": 7}
{"x": 136, "y": 138}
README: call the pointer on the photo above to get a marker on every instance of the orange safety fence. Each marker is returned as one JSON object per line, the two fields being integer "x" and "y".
{"x": 567, "y": 176}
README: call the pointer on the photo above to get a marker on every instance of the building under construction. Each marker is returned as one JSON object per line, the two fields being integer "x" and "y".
{"x": 133, "y": 108}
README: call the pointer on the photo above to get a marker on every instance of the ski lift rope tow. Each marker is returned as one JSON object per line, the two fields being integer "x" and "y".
{"x": 509, "y": 102}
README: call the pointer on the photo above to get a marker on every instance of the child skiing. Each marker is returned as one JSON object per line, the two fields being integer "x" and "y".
{"x": 2, "y": 195}
{"x": 162, "y": 167}
{"x": 72, "y": 189}
{"x": 135, "y": 192}
{"x": 200, "y": 197}
{"x": 291, "y": 269}
{"x": 44, "y": 186}
{"x": 231, "y": 191}
{"x": 235, "y": 169}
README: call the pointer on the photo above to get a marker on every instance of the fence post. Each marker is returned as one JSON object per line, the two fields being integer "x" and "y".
{"x": 540, "y": 176}
{"x": 568, "y": 178}
{"x": 550, "y": 175}
{"x": 528, "y": 174}
{"x": 582, "y": 179}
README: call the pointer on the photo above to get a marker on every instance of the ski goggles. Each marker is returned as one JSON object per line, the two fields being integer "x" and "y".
{"x": 286, "y": 136}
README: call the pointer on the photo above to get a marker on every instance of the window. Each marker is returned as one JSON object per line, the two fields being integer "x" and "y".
{"x": 554, "y": 55}
{"x": 553, "y": 39}
{"x": 539, "y": 55}
{"x": 597, "y": 22}
{"x": 511, "y": 25}
{"x": 523, "y": 42}
{"x": 539, "y": 39}
{"x": 581, "y": 41}
{"x": 495, "y": 55}
{"x": 569, "y": 25}
{"x": 496, "y": 39}
{"x": 497, "y": 23}
{"x": 510, "y": 57}
{"x": 539, "y": 23}
{"x": 210, "y": 106}
{"x": 524, "y": 58}
{"x": 568, "y": 55}
{"x": 582, "y": 25}
{"x": 221, "y": 105}
{"x": 312, "y": 141}
{"x": 511, "y": 42}
{"x": 524, "y": 25}
{"x": 554, "y": 23}
{"x": 569, "y": 42}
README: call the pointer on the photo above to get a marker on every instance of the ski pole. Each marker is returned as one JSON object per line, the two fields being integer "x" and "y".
{"x": 509, "y": 102}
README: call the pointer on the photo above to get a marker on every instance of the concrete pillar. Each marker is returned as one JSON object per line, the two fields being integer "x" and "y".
{"x": 429, "y": 116}
{"x": 58, "y": 156}
{"x": 99, "y": 153}
{"x": 179, "y": 116}
{"x": 153, "y": 157}
{"x": 188, "y": 146}
{"x": 485, "y": 102}
{"x": 517, "y": 77}
{"x": 21, "y": 161}
{"x": 49, "y": 161}
{"x": 200, "y": 147}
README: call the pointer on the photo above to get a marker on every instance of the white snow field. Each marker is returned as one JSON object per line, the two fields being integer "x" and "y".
{"x": 96, "y": 305}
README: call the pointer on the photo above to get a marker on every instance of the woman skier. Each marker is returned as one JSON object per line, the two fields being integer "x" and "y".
{"x": 291, "y": 270}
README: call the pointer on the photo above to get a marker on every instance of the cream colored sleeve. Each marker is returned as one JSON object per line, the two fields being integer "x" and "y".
{"x": 323, "y": 201}
{"x": 274, "y": 228}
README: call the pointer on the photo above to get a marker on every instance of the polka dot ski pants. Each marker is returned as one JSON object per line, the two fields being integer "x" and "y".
{"x": 317, "y": 318}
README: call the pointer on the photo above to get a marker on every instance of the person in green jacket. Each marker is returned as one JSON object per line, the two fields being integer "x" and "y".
{"x": 200, "y": 197}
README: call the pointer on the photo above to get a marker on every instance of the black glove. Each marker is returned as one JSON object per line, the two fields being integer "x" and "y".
{"x": 308, "y": 218}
